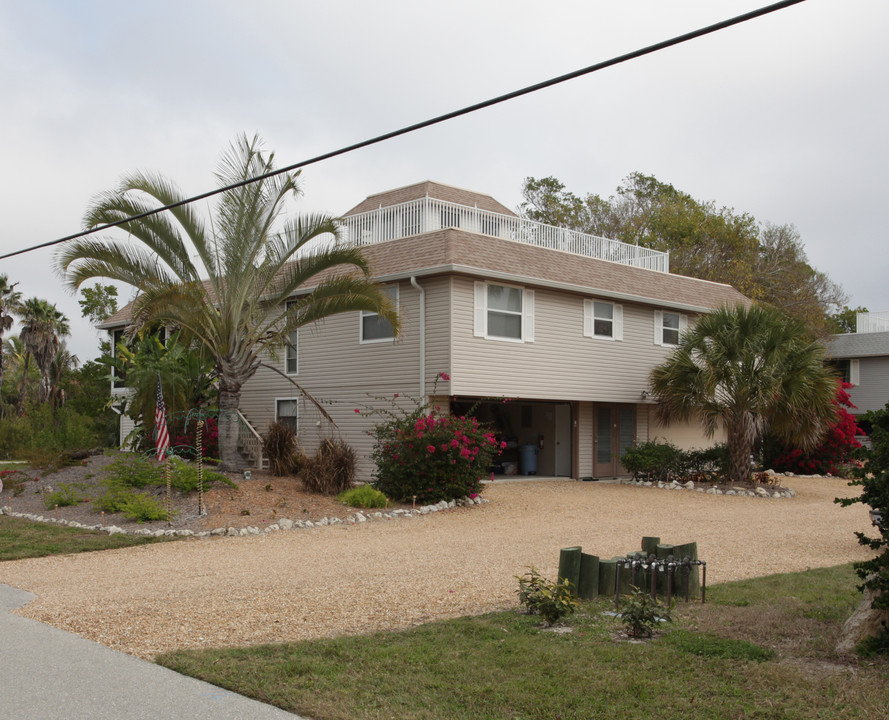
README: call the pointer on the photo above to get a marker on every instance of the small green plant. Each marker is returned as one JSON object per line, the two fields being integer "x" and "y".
{"x": 141, "y": 507}
{"x": 365, "y": 496}
{"x": 552, "y": 600}
{"x": 641, "y": 614}
{"x": 65, "y": 494}
{"x": 133, "y": 470}
{"x": 184, "y": 476}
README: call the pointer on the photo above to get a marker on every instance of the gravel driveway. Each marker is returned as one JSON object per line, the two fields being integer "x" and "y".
{"x": 393, "y": 574}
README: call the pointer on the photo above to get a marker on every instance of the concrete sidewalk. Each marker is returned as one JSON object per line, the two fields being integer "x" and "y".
{"x": 50, "y": 674}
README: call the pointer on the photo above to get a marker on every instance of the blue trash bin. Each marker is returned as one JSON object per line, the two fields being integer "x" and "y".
{"x": 528, "y": 459}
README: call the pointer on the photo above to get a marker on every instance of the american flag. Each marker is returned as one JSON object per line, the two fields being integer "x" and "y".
{"x": 160, "y": 424}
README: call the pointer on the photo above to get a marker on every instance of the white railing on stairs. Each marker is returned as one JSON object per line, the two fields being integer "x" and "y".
{"x": 250, "y": 441}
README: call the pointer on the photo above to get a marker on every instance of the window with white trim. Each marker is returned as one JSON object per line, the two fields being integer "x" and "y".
{"x": 668, "y": 327}
{"x": 374, "y": 327}
{"x": 287, "y": 412}
{"x": 504, "y": 312}
{"x": 603, "y": 320}
{"x": 291, "y": 350}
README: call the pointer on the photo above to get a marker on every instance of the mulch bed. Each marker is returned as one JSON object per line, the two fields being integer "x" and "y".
{"x": 260, "y": 501}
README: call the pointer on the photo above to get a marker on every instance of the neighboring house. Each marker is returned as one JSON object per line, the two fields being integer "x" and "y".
{"x": 862, "y": 359}
{"x": 546, "y": 333}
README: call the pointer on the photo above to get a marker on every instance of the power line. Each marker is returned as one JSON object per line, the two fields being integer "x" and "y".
{"x": 433, "y": 121}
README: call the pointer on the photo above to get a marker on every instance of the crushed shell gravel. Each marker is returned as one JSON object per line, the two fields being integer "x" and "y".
{"x": 384, "y": 575}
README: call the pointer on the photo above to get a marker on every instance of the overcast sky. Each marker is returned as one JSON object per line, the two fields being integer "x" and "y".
{"x": 783, "y": 117}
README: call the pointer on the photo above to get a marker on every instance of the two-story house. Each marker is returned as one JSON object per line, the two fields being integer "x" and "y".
{"x": 862, "y": 359}
{"x": 547, "y": 334}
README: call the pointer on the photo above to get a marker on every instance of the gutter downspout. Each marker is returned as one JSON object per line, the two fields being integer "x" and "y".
{"x": 422, "y": 292}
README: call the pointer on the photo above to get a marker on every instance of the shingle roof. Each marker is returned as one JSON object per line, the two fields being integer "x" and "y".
{"x": 454, "y": 250}
{"x": 459, "y": 251}
{"x": 439, "y": 191}
{"x": 854, "y": 345}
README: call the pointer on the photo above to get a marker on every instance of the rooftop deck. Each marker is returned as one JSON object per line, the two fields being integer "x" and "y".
{"x": 428, "y": 215}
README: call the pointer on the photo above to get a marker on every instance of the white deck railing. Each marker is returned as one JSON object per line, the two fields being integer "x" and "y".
{"x": 427, "y": 215}
{"x": 872, "y": 322}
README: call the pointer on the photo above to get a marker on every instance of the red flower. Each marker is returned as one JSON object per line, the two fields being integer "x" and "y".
{"x": 444, "y": 376}
{"x": 358, "y": 410}
{"x": 430, "y": 448}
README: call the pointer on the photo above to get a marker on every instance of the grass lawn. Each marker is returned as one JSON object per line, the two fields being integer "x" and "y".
{"x": 20, "y": 538}
{"x": 759, "y": 649}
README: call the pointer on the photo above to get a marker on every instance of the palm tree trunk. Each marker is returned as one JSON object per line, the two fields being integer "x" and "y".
{"x": 741, "y": 437}
{"x": 230, "y": 458}
{"x": 24, "y": 381}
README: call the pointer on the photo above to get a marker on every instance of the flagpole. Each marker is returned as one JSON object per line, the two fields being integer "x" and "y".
{"x": 163, "y": 444}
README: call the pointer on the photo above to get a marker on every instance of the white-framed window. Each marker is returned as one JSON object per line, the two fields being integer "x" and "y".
{"x": 603, "y": 320}
{"x": 291, "y": 350}
{"x": 504, "y": 312}
{"x": 668, "y": 326}
{"x": 375, "y": 328}
{"x": 287, "y": 412}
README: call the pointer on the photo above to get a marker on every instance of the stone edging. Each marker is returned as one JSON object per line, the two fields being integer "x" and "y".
{"x": 282, "y": 524}
{"x": 762, "y": 492}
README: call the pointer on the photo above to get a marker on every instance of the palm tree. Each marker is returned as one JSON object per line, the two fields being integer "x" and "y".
{"x": 748, "y": 369}
{"x": 253, "y": 262}
{"x": 62, "y": 365}
{"x": 43, "y": 326}
{"x": 9, "y": 304}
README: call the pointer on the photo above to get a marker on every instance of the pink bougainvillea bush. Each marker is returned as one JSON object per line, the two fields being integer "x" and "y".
{"x": 431, "y": 456}
{"x": 836, "y": 449}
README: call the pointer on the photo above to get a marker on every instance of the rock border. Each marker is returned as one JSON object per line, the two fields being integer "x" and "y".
{"x": 282, "y": 524}
{"x": 775, "y": 493}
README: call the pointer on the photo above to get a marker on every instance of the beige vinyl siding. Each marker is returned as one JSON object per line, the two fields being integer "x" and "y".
{"x": 872, "y": 391}
{"x": 561, "y": 364}
{"x": 345, "y": 375}
{"x": 127, "y": 425}
{"x": 684, "y": 435}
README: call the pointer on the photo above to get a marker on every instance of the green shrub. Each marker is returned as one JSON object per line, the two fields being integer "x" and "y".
{"x": 552, "y": 600}
{"x": 365, "y": 496}
{"x": 135, "y": 471}
{"x": 656, "y": 461}
{"x": 184, "y": 476}
{"x": 873, "y": 479}
{"x": 65, "y": 494}
{"x": 331, "y": 470}
{"x": 707, "y": 465}
{"x": 662, "y": 462}
{"x": 15, "y": 437}
{"x": 141, "y": 507}
{"x": 432, "y": 457}
{"x": 640, "y": 614}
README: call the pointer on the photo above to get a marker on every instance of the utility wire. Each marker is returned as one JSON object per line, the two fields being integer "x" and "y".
{"x": 434, "y": 121}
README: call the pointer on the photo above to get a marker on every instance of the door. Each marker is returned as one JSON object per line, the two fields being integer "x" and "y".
{"x": 614, "y": 432}
{"x": 562, "y": 438}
